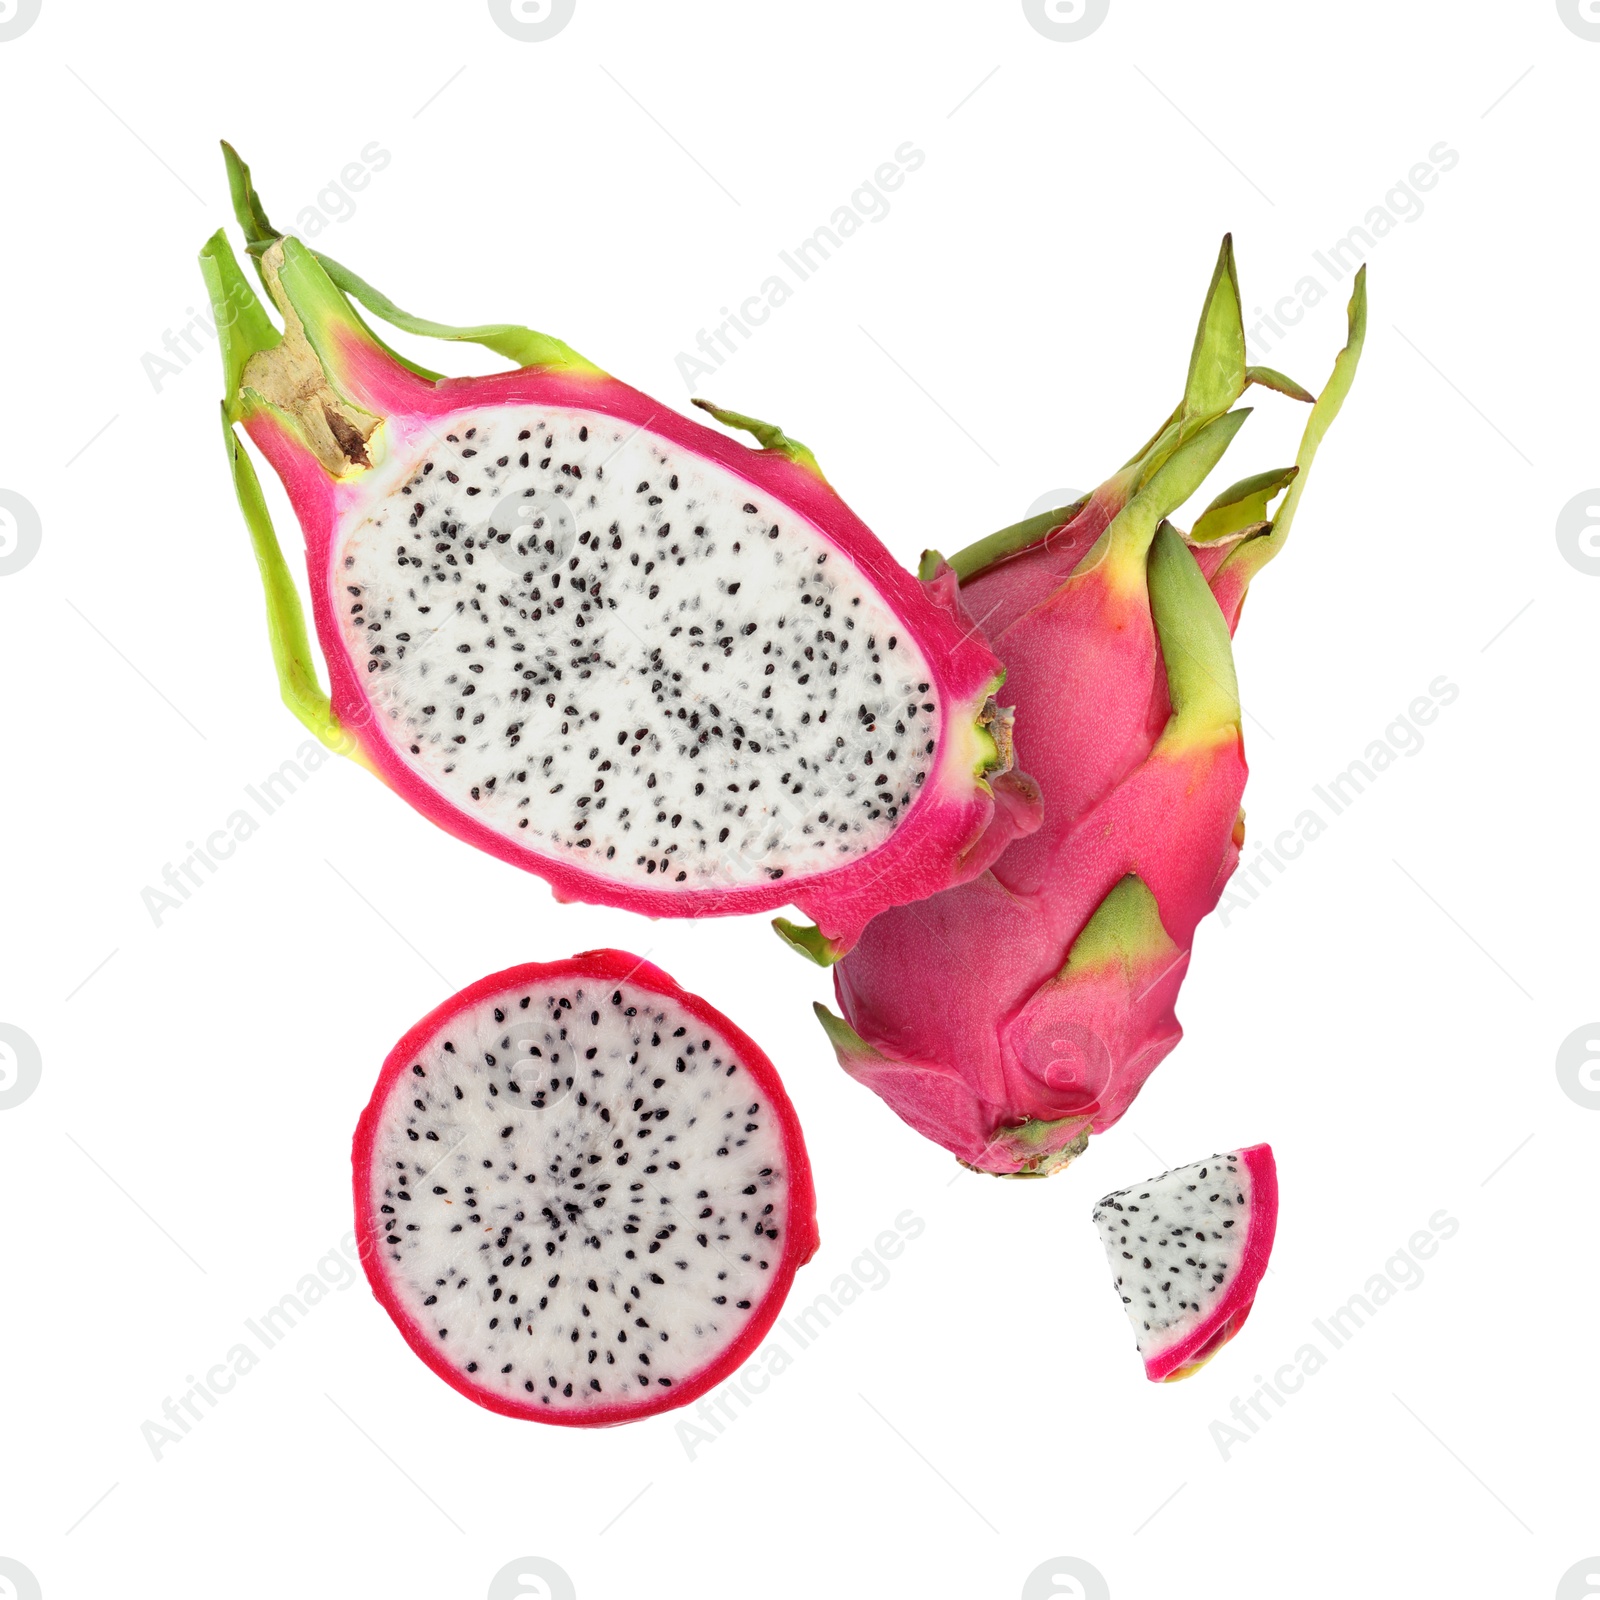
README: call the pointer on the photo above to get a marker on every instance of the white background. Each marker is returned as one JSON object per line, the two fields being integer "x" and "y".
{"x": 1388, "y": 1013}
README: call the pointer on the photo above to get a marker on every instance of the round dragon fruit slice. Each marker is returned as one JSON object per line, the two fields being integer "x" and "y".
{"x": 660, "y": 668}
{"x": 1188, "y": 1250}
{"x": 581, "y": 1193}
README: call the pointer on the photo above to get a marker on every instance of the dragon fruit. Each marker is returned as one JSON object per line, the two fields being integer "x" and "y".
{"x": 1012, "y": 1016}
{"x": 580, "y": 1192}
{"x": 662, "y": 669}
{"x": 1188, "y": 1250}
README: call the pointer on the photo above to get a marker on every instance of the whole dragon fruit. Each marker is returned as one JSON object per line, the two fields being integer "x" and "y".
{"x": 662, "y": 669}
{"x": 1010, "y": 1017}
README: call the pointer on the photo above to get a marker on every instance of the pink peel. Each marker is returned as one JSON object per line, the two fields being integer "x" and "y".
{"x": 793, "y": 1241}
{"x": 966, "y": 1012}
{"x": 1178, "y": 1353}
{"x": 382, "y": 418}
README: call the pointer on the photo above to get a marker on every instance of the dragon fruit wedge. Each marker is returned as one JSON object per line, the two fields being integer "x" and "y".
{"x": 1187, "y": 1251}
{"x": 581, "y": 1193}
{"x": 1012, "y": 1016}
{"x": 662, "y": 669}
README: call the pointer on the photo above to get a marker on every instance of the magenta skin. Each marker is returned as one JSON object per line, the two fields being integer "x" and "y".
{"x": 945, "y": 837}
{"x": 1186, "y": 1356}
{"x": 607, "y": 966}
{"x": 1012, "y": 1016}
{"x": 1019, "y": 1060}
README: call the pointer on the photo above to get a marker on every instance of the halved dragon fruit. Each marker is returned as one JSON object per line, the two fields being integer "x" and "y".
{"x": 1188, "y": 1250}
{"x": 1012, "y": 1016}
{"x": 581, "y": 1193}
{"x": 662, "y": 669}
